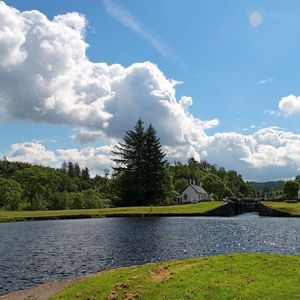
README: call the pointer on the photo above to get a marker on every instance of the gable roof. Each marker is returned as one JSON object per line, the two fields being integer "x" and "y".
{"x": 198, "y": 189}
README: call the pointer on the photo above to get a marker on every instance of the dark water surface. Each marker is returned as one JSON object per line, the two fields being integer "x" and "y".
{"x": 36, "y": 252}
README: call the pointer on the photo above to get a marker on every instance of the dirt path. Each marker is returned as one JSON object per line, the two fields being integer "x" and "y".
{"x": 40, "y": 292}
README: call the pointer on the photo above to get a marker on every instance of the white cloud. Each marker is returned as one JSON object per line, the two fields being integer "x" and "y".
{"x": 31, "y": 152}
{"x": 57, "y": 83}
{"x": 268, "y": 154}
{"x": 124, "y": 17}
{"x": 96, "y": 158}
{"x": 290, "y": 105}
{"x": 266, "y": 80}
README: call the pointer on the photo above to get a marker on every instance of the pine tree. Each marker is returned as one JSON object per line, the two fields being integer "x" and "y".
{"x": 71, "y": 170}
{"x": 77, "y": 170}
{"x": 129, "y": 164}
{"x": 64, "y": 167}
{"x": 153, "y": 167}
{"x": 85, "y": 173}
{"x": 140, "y": 166}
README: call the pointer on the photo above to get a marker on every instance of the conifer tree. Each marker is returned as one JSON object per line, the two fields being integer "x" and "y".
{"x": 153, "y": 166}
{"x": 139, "y": 166}
{"x": 77, "y": 170}
{"x": 71, "y": 171}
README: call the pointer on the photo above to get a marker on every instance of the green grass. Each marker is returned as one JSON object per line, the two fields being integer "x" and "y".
{"x": 236, "y": 276}
{"x": 188, "y": 209}
{"x": 291, "y": 208}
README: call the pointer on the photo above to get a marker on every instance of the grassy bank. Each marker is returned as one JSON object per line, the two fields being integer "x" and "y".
{"x": 188, "y": 209}
{"x": 291, "y": 208}
{"x": 237, "y": 276}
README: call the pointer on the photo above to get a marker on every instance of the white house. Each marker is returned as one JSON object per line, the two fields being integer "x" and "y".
{"x": 193, "y": 194}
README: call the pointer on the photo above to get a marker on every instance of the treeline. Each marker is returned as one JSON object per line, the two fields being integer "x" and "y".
{"x": 27, "y": 187}
{"x": 215, "y": 180}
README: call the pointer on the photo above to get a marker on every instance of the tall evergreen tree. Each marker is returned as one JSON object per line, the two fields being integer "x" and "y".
{"x": 77, "y": 171}
{"x": 71, "y": 170}
{"x": 85, "y": 173}
{"x": 153, "y": 167}
{"x": 129, "y": 164}
{"x": 140, "y": 166}
{"x": 64, "y": 167}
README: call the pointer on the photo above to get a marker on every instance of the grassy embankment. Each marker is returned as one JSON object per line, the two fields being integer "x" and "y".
{"x": 184, "y": 210}
{"x": 236, "y": 276}
{"x": 292, "y": 208}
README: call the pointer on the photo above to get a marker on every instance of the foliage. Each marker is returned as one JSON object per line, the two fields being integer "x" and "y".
{"x": 140, "y": 167}
{"x": 10, "y": 194}
{"x": 24, "y": 186}
{"x": 290, "y": 188}
{"x": 213, "y": 184}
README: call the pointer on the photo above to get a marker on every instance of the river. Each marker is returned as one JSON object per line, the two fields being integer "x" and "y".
{"x": 35, "y": 252}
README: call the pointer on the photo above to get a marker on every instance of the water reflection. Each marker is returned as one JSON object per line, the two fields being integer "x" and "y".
{"x": 35, "y": 252}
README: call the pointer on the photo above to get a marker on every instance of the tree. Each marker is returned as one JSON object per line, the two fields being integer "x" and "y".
{"x": 154, "y": 163}
{"x": 129, "y": 164}
{"x": 71, "y": 169}
{"x": 140, "y": 166}
{"x": 85, "y": 173}
{"x": 290, "y": 188}
{"x": 213, "y": 184}
{"x": 64, "y": 167}
{"x": 77, "y": 170}
{"x": 10, "y": 194}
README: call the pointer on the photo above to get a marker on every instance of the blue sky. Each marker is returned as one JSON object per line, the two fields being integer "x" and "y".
{"x": 237, "y": 60}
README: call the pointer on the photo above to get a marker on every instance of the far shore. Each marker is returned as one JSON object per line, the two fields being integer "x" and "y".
{"x": 198, "y": 209}
{"x": 284, "y": 209}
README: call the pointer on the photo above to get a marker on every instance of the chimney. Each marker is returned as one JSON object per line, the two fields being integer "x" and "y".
{"x": 194, "y": 181}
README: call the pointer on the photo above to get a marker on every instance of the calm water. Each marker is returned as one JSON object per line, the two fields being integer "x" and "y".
{"x": 36, "y": 252}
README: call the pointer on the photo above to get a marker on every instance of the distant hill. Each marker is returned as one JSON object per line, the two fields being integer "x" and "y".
{"x": 268, "y": 185}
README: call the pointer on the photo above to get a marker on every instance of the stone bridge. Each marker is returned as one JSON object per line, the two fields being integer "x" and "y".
{"x": 236, "y": 206}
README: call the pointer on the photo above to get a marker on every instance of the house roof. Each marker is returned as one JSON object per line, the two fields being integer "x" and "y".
{"x": 198, "y": 189}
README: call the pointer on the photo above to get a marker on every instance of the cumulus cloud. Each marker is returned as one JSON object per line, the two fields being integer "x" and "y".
{"x": 290, "y": 105}
{"x": 31, "y": 152}
{"x": 270, "y": 153}
{"x": 96, "y": 158}
{"x": 47, "y": 77}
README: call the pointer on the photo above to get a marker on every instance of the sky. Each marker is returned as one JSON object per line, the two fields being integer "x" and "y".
{"x": 218, "y": 80}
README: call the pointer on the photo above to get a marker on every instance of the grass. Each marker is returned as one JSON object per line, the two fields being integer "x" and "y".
{"x": 235, "y": 276}
{"x": 188, "y": 209}
{"x": 291, "y": 208}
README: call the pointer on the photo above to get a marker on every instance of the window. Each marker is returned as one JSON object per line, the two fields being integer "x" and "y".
{"x": 185, "y": 196}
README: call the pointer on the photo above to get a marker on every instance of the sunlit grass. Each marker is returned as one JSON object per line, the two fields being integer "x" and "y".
{"x": 236, "y": 276}
{"x": 291, "y": 208}
{"x": 188, "y": 209}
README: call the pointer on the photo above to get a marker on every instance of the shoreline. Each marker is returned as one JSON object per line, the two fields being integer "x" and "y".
{"x": 223, "y": 210}
{"x": 164, "y": 272}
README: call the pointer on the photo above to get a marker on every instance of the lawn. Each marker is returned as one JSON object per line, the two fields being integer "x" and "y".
{"x": 235, "y": 276}
{"x": 291, "y": 208}
{"x": 188, "y": 209}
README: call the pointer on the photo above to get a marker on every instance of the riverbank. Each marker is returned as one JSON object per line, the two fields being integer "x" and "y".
{"x": 290, "y": 209}
{"x": 198, "y": 209}
{"x": 231, "y": 276}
